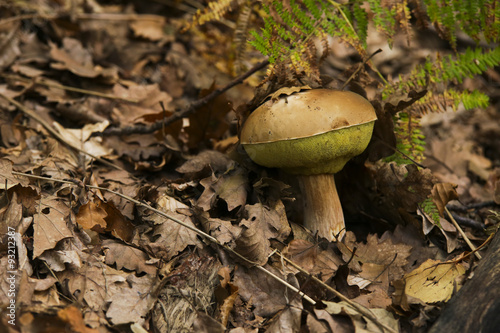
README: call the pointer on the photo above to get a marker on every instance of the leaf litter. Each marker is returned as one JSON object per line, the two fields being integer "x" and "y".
{"x": 94, "y": 255}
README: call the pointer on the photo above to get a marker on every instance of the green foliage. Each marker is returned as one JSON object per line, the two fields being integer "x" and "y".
{"x": 411, "y": 142}
{"x": 431, "y": 211}
{"x": 446, "y": 70}
{"x": 430, "y": 76}
{"x": 290, "y": 27}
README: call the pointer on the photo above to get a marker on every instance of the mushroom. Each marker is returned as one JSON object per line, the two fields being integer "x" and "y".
{"x": 311, "y": 134}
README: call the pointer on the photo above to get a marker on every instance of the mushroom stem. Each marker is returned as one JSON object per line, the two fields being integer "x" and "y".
{"x": 322, "y": 208}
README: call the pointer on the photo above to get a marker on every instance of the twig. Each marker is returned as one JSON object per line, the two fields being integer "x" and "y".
{"x": 359, "y": 68}
{"x": 192, "y": 228}
{"x": 52, "y": 131}
{"x": 361, "y": 309}
{"x": 467, "y": 240}
{"x": 468, "y": 222}
{"x": 42, "y": 82}
{"x": 477, "y": 205}
{"x": 144, "y": 129}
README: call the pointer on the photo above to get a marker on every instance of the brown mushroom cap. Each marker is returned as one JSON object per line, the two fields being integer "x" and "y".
{"x": 309, "y": 132}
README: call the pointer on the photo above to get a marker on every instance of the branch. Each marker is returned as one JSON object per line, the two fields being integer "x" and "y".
{"x": 144, "y": 129}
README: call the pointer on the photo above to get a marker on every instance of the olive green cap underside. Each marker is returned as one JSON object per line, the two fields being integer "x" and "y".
{"x": 323, "y": 153}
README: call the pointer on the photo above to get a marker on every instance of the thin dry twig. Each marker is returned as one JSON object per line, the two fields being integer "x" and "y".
{"x": 197, "y": 231}
{"x": 41, "y": 81}
{"x": 460, "y": 230}
{"x": 144, "y": 129}
{"x": 361, "y": 309}
{"x": 52, "y": 131}
{"x": 359, "y": 68}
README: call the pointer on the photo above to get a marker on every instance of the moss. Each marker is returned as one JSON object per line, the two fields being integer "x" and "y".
{"x": 323, "y": 153}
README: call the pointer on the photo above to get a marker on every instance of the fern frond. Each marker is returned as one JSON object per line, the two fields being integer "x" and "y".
{"x": 214, "y": 11}
{"x": 431, "y": 211}
{"x": 446, "y": 70}
{"x": 240, "y": 36}
{"x": 477, "y": 18}
{"x": 410, "y": 140}
{"x": 383, "y": 18}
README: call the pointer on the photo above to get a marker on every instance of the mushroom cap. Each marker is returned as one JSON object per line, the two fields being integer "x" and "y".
{"x": 309, "y": 132}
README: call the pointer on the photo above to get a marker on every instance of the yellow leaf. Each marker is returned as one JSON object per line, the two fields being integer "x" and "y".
{"x": 432, "y": 282}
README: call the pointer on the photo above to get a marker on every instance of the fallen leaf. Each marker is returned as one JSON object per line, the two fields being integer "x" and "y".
{"x": 260, "y": 290}
{"x": 361, "y": 323}
{"x": 432, "y": 282}
{"x": 133, "y": 302}
{"x": 442, "y": 193}
{"x": 49, "y": 224}
{"x": 91, "y": 216}
{"x": 126, "y": 256}
{"x": 231, "y": 187}
{"x": 7, "y": 179}
{"x": 73, "y": 317}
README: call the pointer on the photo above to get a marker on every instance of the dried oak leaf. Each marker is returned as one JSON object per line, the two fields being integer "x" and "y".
{"x": 125, "y": 256}
{"x": 206, "y": 159}
{"x": 232, "y": 187}
{"x": 172, "y": 237}
{"x": 312, "y": 258}
{"x": 262, "y": 224}
{"x": 105, "y": 217}
{"x": 49, "y": 224}
{"x": 73, "y": 318}
{"x": 224, "y": 231}
{"x": 91, "y": 216}
{"x": 78, "y": 60}
{"x": 133, "y": 301}
{"x": 362, "y": 324}
{"x": 442, "y": 193}
{"x": 267, "y": 295}
{"x": 146, "y": 110}
{"x": 7, "y": 179}
{"x": 95, "y": 281}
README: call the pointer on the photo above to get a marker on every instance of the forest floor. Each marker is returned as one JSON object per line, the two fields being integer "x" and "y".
{"x": 127, "y": 205}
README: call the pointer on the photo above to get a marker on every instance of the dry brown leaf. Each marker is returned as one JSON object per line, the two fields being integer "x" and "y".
{"x": 231, "y": 187}
{"x": 7, "y": 179}
{"x": 362, "y": 324}
{"x": 49, "y": 224}
{"x": 206, "y": 324}
{"x": 92, "y": 216}
{"x": 315, "y": 325}
{"x": 133, "y": 302}
{"x": 125, "y": 256}
{"x": 78, "y": 60}
{"x": 146, "y": 110}
{"x": 265, "y": 293}
{"x": 173, "y": 237}
{"x": 442, "y": 193}
{"x": 68, "y": 253}
{"x": 117, "y": 224}
{"x": 261, "y": 224}
{"x": 287, "y": 320}
{"x": 148, "y": 28}
{"x": 336, "y": 323}
{"x": 73, "y": 317}
{"x": 217, "y": 161}
{"x": 382, "y": 252}
{"x": 208, "y": 122}
{"x": 405, "y": 186}
{"x": 312, "y": 258}
{"x": 95, "y": 282}
{"x": 224, "y": 231}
